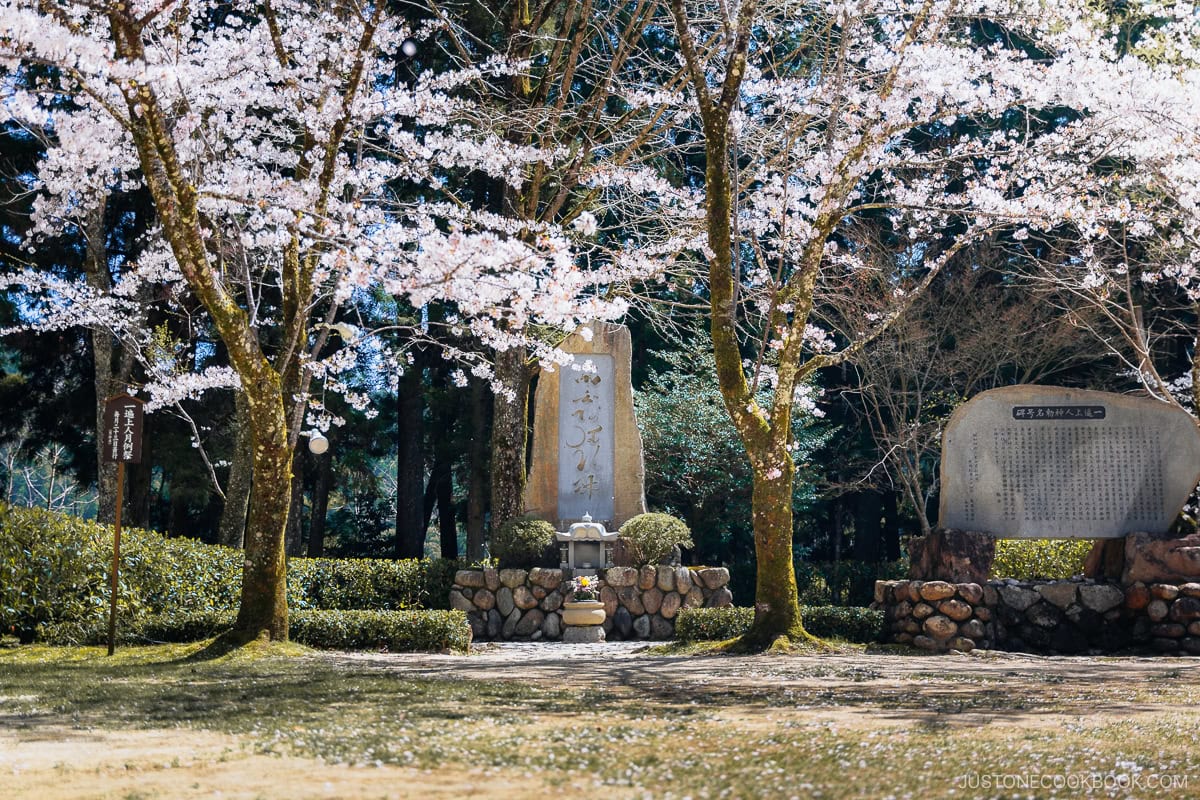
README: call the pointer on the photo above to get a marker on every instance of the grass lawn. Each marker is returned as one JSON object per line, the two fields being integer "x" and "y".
{"x": 290, "y": 723}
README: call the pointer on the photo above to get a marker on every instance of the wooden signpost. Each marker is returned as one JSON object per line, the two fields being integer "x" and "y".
{"x": 120, "y": 443}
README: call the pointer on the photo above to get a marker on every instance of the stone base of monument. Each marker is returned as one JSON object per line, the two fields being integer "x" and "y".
{"x": 1106, "y": 561}
{"x": 1157, "y": 559}
{"x": 952, "y": 555}
{"x": 1052, "y": 617}
{"x": 583, "y": 634}
{"x": 529, "y": 605}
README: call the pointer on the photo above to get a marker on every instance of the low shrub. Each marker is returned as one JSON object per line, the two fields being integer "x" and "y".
{"x": 525, "y": 542}
{"x": 827, "y": 622}
{"x": 55, "y": 569}
{"x": 181, "y": 626}
{"x": 649, "y": 538}
{"x": 360, "y": 583}
{"x": 395, "y": 631}
{"x": 1040, "y": 559}
{"x": 54, "y": 573}
{"x": 849, "y": 623}
{"x": 712, "y": 624}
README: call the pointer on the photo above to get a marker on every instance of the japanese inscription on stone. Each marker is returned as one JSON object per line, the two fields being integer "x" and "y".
{"x": 585, "y": 425}
{"x": 1039, "y": 461}
{"x": 121, "y": 439}
{"x": 587, "y": 449}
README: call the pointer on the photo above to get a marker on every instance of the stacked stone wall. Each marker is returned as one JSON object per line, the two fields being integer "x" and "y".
{"x": 517, "y": 604}
{"x": 1072, "y": 616}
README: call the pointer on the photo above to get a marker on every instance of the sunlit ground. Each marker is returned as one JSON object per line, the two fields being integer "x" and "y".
{"x": 153, "y": 722}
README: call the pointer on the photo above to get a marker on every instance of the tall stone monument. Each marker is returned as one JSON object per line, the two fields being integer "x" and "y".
{"x": 1048, "y": 462}
{"x": 587, "y": 450}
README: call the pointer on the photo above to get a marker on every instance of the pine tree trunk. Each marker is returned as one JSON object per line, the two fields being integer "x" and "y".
{"x": 232, "y": 530}
{"x": 868, "y": 530}
{"x": 103, "y": 347}
{"x": 263, "y": 610}
{"x": 510, "y": 425}
{"x": 891, "y": 527}
{"x": 477, "y": 479}
{"x": 293, "y": 542}
{"x": 320, "y": 505}
{"x": 410, "y": 465}
{"x": 447, "y": 524}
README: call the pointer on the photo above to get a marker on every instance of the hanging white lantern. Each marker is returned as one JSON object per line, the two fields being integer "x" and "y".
{"x": 317, "y": 443}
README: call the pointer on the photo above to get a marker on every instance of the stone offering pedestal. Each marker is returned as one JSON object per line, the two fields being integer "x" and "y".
{"x": 583, "y": 634}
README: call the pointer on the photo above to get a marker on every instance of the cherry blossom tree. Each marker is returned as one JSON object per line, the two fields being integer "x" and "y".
{"x": 1127, "y": 263}
{"x": 594, "y": 69}
{"x": 936, "y": 122}
{"x": 272, "y": 137}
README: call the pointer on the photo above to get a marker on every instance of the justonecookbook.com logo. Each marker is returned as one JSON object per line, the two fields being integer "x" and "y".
{"x": 1075, "y": 782}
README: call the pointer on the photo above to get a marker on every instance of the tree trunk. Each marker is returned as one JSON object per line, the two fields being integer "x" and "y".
{"x": 477, "y": 478}
{"x": 103, "y": 347}
{"x": 295, "y": 528}
{"x": 868, "y": 529}
{"x": 410, "y": 465}
{"x": 177, "y": 516}
{"x": 776, "y": 603}
{"x": 447, "y": 524}
{"x": 891, "y": 527}
{"x": 232, "y": 531}
{"x": 320, "y": 505}
{"x": 263, "y": 610}
{"x": 510, "y": 425}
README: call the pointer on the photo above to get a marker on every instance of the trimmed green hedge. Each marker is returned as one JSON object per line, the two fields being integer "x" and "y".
{"x": 712, "y": 624}
{"x": 394, "y": 631}
{"x": 368, "y": 583}
{"x": 1040, "y": 559}
{"x": 54, "y": 572}
{"x": 852, "y": 624}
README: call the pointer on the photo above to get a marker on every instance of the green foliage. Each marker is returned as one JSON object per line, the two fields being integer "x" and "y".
{"x": 55, "y": 568}
{"x": 54, "y": 575}
{"x": 844, "y": 583}
{"x": 396, "y": 631}
{"x": 1040, "y": 559}
{"x": 696, "y": 467}
{"x": 850, "y": 624}
{"x": 650, "y": 538}
{"x": 524, "y": 542}
{"x": 335, "y": 583}
{"x": 712, "y": 624}
{"x": 42, "y": 579}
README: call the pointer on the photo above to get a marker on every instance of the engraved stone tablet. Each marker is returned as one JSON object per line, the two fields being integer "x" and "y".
{"x": 587, "y": 450}
{"x": 1047, "y": 462}
{"x": 585, "y": 439}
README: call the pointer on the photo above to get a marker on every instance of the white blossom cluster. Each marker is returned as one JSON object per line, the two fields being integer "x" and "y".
{"x": 288, "y": 164}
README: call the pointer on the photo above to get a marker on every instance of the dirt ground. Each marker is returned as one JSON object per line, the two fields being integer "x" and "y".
{"x": 62, "y": 757}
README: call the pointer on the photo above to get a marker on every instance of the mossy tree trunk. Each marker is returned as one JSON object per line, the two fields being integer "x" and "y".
{"x": 765, "y": 437}
{"x": 273, "y": 384}
{"x": 232, "y": 530}
{"x": 510, "y": 430}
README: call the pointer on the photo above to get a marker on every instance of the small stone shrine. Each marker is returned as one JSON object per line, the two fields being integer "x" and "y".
{"x": 1048, "y": 462}
{"x": 587, "y": 449}
{"x": 586, "y": 547}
